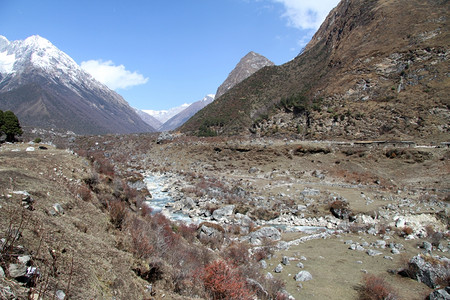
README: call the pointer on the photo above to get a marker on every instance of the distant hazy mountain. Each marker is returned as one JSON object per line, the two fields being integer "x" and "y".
{"x": 164, "y": 115}
{"x": 46, "y": 88}
{"x": 179, "y": 119}
{"x": 149, "y": 119}
{"x": 248, "y": 65}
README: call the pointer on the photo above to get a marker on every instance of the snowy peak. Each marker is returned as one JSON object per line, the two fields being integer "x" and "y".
{"x": 164, "y": 115}
{"x": 34, "y": 73}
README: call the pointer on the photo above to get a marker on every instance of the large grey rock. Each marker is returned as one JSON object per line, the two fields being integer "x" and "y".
{"x": 223, "y": 212}
{"x": 442, "y": 294}
{"x": 270, "y": 233}
{"x": 430, "y": 270}
{"x": 24, "y": 259}
{"x": 427, "y": 246}
{"x": 303, "y": 276}
{"x": 209, "y": 232}
{"x": 17, "y": 270}
{"x": 285, "y": 260}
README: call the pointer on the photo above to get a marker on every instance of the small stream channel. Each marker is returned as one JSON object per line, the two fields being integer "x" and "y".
{"x": 161, "y": 202}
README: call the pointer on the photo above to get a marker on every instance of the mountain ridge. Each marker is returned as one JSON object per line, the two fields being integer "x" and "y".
{"x": 35, "y": 73}
{"x": 366, "y": 74}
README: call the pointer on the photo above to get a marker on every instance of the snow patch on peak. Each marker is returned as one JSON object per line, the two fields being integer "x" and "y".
{"x": 3, "y": 42}
{"x": 7, "y": 62}
{"x": 37, "y": 41}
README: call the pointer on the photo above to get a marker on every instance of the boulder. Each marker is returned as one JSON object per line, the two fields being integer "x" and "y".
{"x": 442, "y": 294}
{"x": 428, "y": 270}
{"x": 285, "y": 260}
{"x": 223, "y": 212}
{"x": 303, "y": 276}
{"x": 270, "y": 233}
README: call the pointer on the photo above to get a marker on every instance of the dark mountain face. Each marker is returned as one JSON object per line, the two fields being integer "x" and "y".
{"x": 46, "y": 88}
{"x": 375, "y": 69}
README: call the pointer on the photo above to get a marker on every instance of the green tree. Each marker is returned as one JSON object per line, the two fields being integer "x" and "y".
{"x": 10, "y": 126}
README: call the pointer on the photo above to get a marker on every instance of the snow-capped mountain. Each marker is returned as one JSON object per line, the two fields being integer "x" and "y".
{"x": 46, "y": 88}
{"x": 179, "y": 119}
{"x": 164, "y": 115}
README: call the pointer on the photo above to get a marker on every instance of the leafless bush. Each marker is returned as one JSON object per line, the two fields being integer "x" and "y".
{"x": 376, "y": 288}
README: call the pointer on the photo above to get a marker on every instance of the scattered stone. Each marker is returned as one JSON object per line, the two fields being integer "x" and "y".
{"x": 348, "y": 242}
{"x": 388, "y": 257}
{"x": 263, "y": 264}
{"x": 2, "y": 273}
{"x": 310, "y": 192}
{"x": 381, "y": 244}
{"x": 278, "y": 268}
{"x": 24, "y": 259}
{"x": 60, "y": 295}
{"x": 395, "y": 251}
{"x": 427, "y": 246}
{"x": 300, "y": 265}
{"x": 285, "y": 260}
{"x": 29, "y": 149}
{"x": 58, "y": 208}
{"x": 372, "y": 252}
{"x": 359, "y": 262}
{"x": 303, "y": 276}
{"x": 269, "y": 275}
{"x": 17, "y": 270}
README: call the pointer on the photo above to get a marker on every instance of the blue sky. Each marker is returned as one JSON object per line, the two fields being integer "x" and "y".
{"x": 161, "y": 54}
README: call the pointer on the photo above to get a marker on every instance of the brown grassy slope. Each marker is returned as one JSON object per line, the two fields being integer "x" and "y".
{"x": 355, "y": 63}
{"x": 84, "y": 233}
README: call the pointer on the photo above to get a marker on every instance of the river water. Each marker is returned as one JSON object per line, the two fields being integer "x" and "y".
{"x": 161, "y": 202}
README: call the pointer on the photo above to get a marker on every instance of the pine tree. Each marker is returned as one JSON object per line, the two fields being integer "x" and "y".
{"x": 10, "y": 125}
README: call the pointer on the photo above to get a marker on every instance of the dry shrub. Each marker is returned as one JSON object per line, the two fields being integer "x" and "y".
{"x": 84, "y": 193}
{"x": 407, "y": 230}
{"x": 237, "y": 253}
{"x": 117, "y": 213}
{"x": 376, "y": 288}
{"x": 188, "y": 232}
{"x": 223, "y": 281}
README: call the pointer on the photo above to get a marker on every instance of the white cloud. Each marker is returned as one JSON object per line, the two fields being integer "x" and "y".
{"x": 115, "y": 77}
{"x": 306, "y": 14}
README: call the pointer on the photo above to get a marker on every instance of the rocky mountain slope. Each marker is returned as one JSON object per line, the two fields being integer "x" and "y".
{"x": 46, "y": 88}
{"x": 247, "y": 66}
{"x": 374, "y": 70}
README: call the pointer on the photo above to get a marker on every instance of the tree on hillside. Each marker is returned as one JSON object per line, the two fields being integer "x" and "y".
{"x": 10, "y": 125}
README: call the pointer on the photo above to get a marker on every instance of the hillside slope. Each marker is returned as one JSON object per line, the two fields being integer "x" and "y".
{"x": 375, "y": 69}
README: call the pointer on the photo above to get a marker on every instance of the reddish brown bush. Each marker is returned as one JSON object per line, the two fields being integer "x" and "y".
{"x": 223, "y": 281}
{"x": 407, "y": 230}
{"x": 237, "y": 253}
{"x": 376, "y": 288}
{"x": 84, "y": 193}
{"x": 117, "y": 213}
